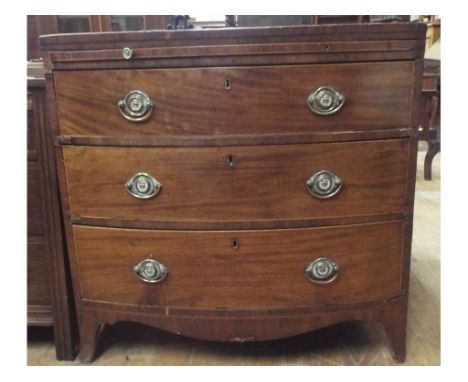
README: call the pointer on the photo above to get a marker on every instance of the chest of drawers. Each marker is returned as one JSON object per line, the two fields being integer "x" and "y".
{"x": 238, "y": 184}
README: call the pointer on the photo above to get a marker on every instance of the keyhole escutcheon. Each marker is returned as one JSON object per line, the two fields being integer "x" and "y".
{"x": 230, "y": 160}
{"x": 235, "y": 244}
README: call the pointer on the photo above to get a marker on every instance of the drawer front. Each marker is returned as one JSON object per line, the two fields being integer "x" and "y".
{"x": 232, "y": 184}
{"x": 264, "y": 271}
{"x": 262, "y": 100}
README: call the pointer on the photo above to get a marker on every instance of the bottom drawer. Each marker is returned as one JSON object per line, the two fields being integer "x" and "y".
{"x": 240, "y": 269}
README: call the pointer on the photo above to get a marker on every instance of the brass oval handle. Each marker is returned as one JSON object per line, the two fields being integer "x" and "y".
{"x": 150, "y": 271}
{"x": 322, "y": 270}
{"x": 325, "y": 101}
{"x": 127, "y": 53}
{"x": 143, "y": 186}
{"x": 136, "y": 106}
{"x": 324, "y": 184}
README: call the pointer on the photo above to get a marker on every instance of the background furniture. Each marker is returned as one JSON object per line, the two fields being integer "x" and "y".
{"x": 49, "y": 292}
{"x": 433, "y": 33}
{"x": 180, "y": 186}
{"x": 283, "y": 20}
{"x": 431, "y": 93}
{"x": 429, "y": 129}
{"x": 39, "y": 293}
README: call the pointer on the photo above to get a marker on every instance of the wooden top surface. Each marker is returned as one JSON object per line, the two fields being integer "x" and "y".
{"x": 226, "y": 36}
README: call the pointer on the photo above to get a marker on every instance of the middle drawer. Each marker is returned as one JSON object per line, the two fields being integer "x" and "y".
{"x": 243, "y": 183}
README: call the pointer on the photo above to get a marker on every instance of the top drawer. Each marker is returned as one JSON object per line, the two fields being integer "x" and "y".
{"x": 233, "y": 101}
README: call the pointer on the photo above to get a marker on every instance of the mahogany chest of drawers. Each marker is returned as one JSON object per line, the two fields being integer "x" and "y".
{"x": 238, "y": 184}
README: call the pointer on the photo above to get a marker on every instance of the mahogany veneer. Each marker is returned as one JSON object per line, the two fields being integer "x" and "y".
{"x": 267, "y": 99}
{"x": 200, "y": 186}
{"x": 244, "y": 206}
{"x": 236, "y": 275}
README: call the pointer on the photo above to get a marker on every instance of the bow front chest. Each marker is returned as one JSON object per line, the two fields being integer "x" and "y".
{"x": 238, "y": 184}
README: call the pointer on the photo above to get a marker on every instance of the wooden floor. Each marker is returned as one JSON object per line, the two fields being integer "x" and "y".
{"x": 351, "y": 343}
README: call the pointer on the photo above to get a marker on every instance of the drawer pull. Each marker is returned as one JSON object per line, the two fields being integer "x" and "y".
{"x": 143, "y": 186}
{"x": 150, "y": 271}
{"x": 136, "y": 106}
{"x": 322, "y": 270}
{"x": 325, "y": 101}
{"x": 127, "y": 53}
{"x": 324, "y": 184}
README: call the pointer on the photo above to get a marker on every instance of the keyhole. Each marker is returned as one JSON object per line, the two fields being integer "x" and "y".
{"x": 227, "y": 83}
{"x": 231, "y": 160}
{"x": 235, "y": 244}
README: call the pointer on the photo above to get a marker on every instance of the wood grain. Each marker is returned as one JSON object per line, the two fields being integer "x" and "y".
{"x": 238, "y": 61}
{"x": 266, "y": 100}
{"x": 47, "y": 300}
{"x": 240, "y": 55}
{"x": 34, "y": 201}
{"x": 235, "y": 140}
{"x": 265, "y": 271}
{"x": 230, "y": 329}
{"x": 277, "y": 69}
{"x": 58, "y": 273}
{"x": 39, "y": 296}
{"x": 394, "y": 46}
{"x": 348, "y": 343}
{"x": 236, "y": 225}
{"x": 265, "y": 35}
{"x": 40, "y": 315}
{"x": 238, "y": 47}
{"x": 267, "y": 183}
{"x": 39, "y": 291}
